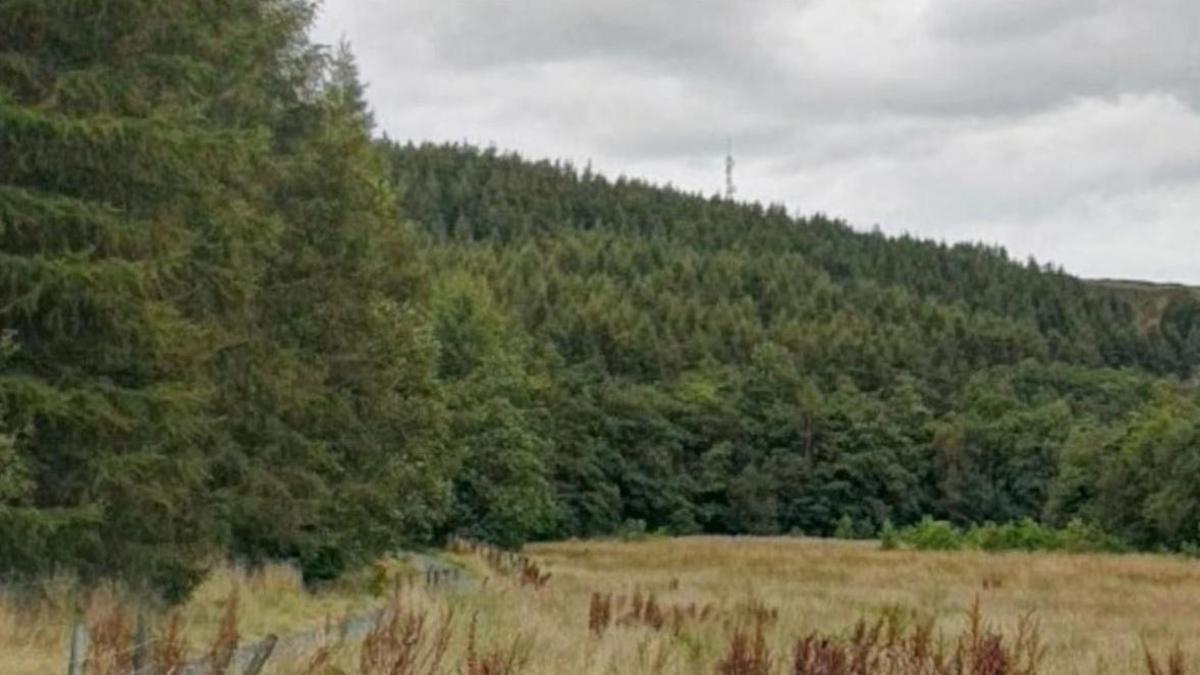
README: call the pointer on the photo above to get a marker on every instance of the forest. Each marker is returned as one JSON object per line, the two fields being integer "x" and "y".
{"x": 240, "y": 322}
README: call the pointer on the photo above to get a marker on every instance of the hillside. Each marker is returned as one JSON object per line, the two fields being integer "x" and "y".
{"x": 724, "y": 367}
{"x": 1151, "y": 301}
{"x": 466, "y": 193}
{"x": 235, "y": 324}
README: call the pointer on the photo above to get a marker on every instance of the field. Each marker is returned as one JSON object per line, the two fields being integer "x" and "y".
{"x": 1094, "y": 614}
{"x": 1094, "y": 611}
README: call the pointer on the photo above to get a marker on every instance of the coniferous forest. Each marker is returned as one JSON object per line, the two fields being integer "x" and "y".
{"x": 239, "y": 322}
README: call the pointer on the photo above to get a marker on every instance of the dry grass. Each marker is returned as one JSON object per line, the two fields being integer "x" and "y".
{"x": 1094, "y": 611}
{"x": 35, "y": 624}
{"x": 888, "y": 647}
{"x": 698, "y": 605}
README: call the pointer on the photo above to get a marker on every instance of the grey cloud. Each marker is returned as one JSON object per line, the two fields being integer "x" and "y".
{"x": 1011, "y": 121}
{"x": 1014, "y": 19}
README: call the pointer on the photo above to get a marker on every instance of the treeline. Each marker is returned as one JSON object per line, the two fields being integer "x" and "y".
{"x": 698, "y": 365}
{"x": 235, "y": 324}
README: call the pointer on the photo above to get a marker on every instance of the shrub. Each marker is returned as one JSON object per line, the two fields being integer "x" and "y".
{"x": 889, "y": 538}
{"x": 633, "y": 529}
{"x": 1023, "y": 535}
{"x": 845, "y": 528}
{"x": 932, "y": 535}
{"x": 1081, "y": 537}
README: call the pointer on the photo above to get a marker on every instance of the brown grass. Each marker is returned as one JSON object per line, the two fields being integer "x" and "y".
{"x": 110, "y": 651}
{"x": 225, "y": 644}
{"x": 169, "y": 653}
{"x": 1092, "y": 611}
{"x": 493, "y": 661}
{"x": 1172, "y": 665}
{"x": 404, "y": 642}
{"x": 600, "y": 613}
{"x": 886, "y": 648}
{"x": 748, "y": 654}
{"x": 526, "y": 570}
{"x": 679, "y": 607}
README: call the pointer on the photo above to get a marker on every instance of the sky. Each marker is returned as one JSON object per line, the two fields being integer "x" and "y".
{"x": 1068, "y": 130}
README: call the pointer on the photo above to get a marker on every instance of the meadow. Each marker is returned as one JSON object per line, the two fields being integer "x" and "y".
{"x": 729, "y": 606}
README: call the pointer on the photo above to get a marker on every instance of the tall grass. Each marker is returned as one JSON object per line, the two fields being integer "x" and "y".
{"x": 1173, "y": 664}
{"x": 888, "y": 648}
{"x": 747, "y": 654}
{"x": 744, "y": 607}
{"x": 405, "y": 642}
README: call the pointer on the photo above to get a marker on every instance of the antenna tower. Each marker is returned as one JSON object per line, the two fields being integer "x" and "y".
{"x": 730, "y": 188}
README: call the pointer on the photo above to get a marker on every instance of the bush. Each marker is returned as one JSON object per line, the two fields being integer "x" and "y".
{"x": 889, "y": 538}
{"x": 1023, "y": 535}
{"x": 1081, "y": 537}
{"x": 633, "y": 529}
{"x": 845, "y": 528}
{"x": 932, "y": 535}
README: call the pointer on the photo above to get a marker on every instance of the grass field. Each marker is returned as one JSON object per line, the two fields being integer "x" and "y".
{"x": 1095, "y": 613}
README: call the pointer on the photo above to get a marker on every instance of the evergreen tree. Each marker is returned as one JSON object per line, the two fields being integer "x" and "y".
{"x": 133, "y": 135}
{"x": 335, "y": 449}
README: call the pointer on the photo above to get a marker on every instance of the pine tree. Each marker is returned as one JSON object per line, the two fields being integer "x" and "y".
{"x": 336, "y": 430}
{"x": 133, "y": 133}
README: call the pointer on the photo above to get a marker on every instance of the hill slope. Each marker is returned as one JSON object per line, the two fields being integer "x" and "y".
{"x": 725, "y": 367}
{"x": 467, "y": 194}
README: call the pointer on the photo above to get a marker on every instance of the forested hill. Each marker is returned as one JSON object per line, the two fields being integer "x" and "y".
{"x": 235, "y": 323}
{"x": 712, "y": 366}
{"x": 465, "y": 194}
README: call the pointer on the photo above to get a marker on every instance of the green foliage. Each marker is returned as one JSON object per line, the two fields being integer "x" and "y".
{"x": 633, "y": 529}
{"x": 845, "y": 529}
{"x": 1023, "y": 535}
{"x": 221, "y": 332}
{"x": 135, "y": 137}
{"x": 932, "y": 535}
{"x": 1081, "y": 537}
{"x": 889, "y": 537}
{"x": 1134, "y": 475}
{"x": 503, "y": 491}
{"x": 727, "y": 368}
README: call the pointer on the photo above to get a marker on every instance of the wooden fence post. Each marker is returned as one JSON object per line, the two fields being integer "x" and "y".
{"x": 141, "y": 648}
{"x": 261, "y": 655}
{"x": 79, "y": 639}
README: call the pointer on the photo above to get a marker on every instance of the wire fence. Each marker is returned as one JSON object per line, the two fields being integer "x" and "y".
{"x": 249, "y": 659}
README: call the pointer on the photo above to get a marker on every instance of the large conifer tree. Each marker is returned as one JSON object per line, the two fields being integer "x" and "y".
{"x": 133, "y": 133}
{"x": 337, "y": 431}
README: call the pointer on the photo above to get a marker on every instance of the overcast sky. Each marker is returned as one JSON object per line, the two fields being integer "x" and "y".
{"x": 1065, "y": 129}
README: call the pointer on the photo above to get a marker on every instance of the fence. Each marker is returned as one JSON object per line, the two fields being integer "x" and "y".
{"x": 252, "y": 658}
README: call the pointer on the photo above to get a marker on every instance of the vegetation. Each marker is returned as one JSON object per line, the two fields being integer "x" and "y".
{"x": 219, "y": 337}
{"x": 1024, "y": 535}
{"x": 699, "y": 365}
{"x": 237, "y": 325}
{"x": 744, "y": 606}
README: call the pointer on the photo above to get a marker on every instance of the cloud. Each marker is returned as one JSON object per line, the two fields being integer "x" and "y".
{"x": 1083, "y": 184}
{"x": 1005, "y": 21}
{"x": 1062, "y": 128}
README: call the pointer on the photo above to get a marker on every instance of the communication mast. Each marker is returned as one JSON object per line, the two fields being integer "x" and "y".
{"x": 730, "y": 188}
